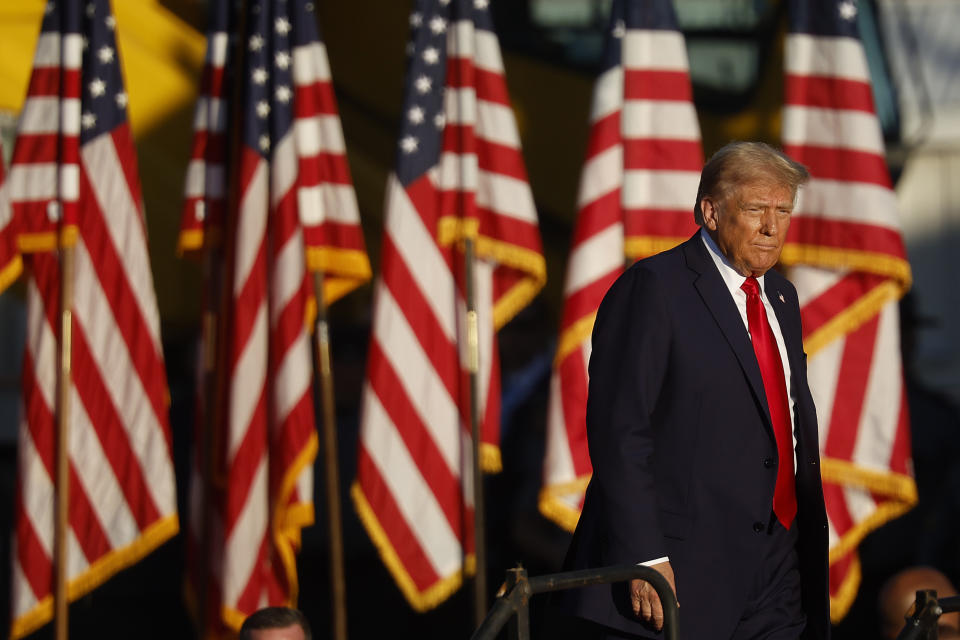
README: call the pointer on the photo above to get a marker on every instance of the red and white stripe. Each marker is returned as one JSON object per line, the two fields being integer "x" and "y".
{"x": 46, "y": 158}
{"x": 122, "y": 495}
{"x": 413, "y": 473}
{"x": 205, "y": 189}
{"x": 414, "y": 488}
{"x": 270, "y": 440}
{"x": 310, "y": 164}
{"x": 638, "y": 184}
{"x": 850, "y": 269}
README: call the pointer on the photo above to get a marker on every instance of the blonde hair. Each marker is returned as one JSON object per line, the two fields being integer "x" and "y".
{"x": 739, "y": 163}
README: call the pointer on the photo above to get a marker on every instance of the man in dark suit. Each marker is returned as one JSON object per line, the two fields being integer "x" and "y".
{"x": 702, "y": 430}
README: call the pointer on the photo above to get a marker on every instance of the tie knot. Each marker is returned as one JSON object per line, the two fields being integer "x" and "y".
{"x": 751, "y": 286}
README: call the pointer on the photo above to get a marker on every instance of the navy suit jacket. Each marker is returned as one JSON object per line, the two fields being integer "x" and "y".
{"x": 683, "y": 452}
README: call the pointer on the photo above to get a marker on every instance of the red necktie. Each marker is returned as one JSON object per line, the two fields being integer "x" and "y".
{"x": 771, "y": 369}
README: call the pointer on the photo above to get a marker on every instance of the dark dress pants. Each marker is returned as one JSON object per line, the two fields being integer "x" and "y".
{"x": 773, "y": 610}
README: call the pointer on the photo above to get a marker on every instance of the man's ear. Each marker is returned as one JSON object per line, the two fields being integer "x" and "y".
{"x": 710, "y": 212}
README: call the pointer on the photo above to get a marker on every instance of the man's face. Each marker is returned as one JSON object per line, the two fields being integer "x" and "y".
{"x": 293, "y": 632}
{"x": 750, "y": 224}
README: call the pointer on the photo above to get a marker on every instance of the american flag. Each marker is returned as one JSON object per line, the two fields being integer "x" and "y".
{"x": 850, "y": 269}
{"x": 636, "y": 198}
{"x": 73, "y": 181}
{"x": 459, "y": 173}
{"x": 295, "y": 212}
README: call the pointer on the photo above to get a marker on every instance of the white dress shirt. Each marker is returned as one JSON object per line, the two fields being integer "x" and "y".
{"x": 734, "y": 281}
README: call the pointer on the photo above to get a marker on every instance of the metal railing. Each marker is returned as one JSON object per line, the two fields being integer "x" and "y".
{"x": 923, "y": 623}
{"x": 519, "y": 588}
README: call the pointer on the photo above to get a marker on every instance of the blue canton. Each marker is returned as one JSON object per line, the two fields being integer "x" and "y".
{"x": 268, "y": 95}
{"x": 103, "y": 100}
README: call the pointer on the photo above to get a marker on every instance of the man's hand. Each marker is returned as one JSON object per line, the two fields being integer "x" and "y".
{"x": 644, "y": 598}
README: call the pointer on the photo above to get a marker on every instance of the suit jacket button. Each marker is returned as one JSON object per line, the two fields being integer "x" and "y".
{"x": 768, "y": 462}
{"x": 758, "y": 527}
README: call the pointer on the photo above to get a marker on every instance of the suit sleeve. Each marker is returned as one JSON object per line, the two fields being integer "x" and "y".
{"x": 628, "y": 365}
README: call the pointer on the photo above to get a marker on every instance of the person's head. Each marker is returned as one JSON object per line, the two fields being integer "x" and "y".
{"x": 275, "y": 623}
{"x": 900, "y": 592}
{"x": 746, "y": 196}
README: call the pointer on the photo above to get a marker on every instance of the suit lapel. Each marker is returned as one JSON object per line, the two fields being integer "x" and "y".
{"x": 713, "y": 290}
{"x": 794, "y": 342}
{"x": 791, "y": 337}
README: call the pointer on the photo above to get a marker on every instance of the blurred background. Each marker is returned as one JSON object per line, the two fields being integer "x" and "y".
{"x": 552, "y": 51}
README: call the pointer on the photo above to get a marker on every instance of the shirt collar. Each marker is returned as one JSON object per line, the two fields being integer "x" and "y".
{"x": 730, "y": 275}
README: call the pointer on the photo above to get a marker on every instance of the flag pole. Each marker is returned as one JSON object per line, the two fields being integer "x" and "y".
{"x": 211, "y": 335}
{"x": 338, "y": 586}
{"x": 62, "y": 493}
{"x": 473, "y": 367}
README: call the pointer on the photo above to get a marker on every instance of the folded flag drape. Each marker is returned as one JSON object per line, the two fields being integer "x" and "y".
{"x": 459, "y": 173}
{"x": 636, "y": 197}
{"x": 292, "y": 211}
